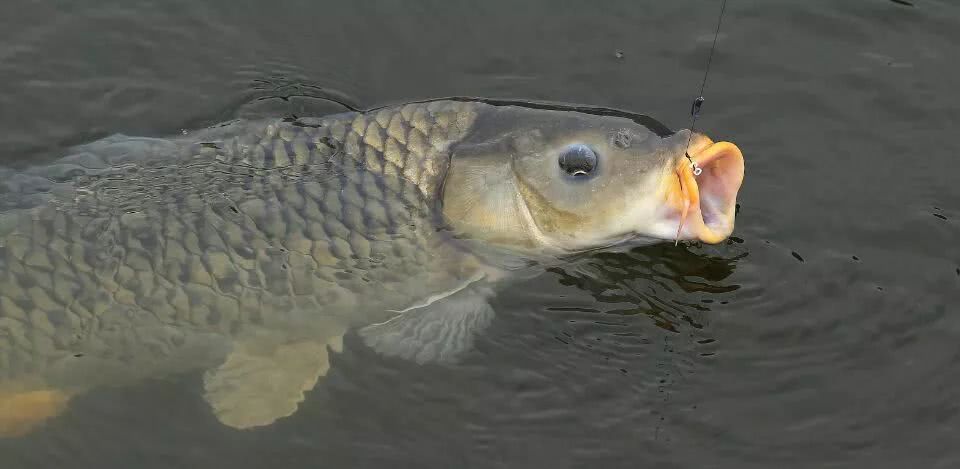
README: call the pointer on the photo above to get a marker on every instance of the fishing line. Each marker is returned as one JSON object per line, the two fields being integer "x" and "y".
{"x": 698, "y": 103}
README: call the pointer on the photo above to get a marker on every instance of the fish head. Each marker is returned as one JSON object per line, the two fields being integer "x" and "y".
{"x": 568, "y": 181}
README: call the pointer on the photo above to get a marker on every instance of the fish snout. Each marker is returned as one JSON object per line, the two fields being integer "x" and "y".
{"x": 702, "y": 192}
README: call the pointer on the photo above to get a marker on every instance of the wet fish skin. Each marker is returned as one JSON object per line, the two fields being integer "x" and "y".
{"x": 276, "y": 224}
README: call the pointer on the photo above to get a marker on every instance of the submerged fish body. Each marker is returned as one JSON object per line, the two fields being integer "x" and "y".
{"x": 248, "y": 249}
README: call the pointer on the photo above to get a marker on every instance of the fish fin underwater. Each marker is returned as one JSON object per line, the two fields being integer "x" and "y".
{"x": 24, "y": 412}
{"x": 262, "y": 381}
{"x": 441, "y": 330}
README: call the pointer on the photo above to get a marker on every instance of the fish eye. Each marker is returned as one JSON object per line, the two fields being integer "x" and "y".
{"x": 578, "y": 160}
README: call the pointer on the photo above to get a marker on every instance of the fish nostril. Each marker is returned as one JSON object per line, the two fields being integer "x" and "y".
{"x": 622, "y": 139}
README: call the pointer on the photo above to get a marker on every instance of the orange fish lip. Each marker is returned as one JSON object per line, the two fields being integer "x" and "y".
{"x": 705, "y": 204}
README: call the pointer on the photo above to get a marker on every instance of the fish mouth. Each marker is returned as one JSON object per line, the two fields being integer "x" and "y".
{"x": 704, "y": 205}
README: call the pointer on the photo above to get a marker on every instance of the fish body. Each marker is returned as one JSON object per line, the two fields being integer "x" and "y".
{"x": 250, "y": 248}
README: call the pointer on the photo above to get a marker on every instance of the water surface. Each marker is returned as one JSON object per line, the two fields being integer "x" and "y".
{"x": 823, "y": 334}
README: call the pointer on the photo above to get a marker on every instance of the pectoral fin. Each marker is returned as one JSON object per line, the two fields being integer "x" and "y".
{"x": 439, "y": 330}
{"x": 261, "y": 382}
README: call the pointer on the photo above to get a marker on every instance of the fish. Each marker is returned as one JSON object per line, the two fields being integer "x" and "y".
{"x": 247, "y": 250}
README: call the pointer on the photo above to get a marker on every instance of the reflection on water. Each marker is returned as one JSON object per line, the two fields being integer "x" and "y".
{"x": 622, "y": 347}
{"x": 661, "y": 281}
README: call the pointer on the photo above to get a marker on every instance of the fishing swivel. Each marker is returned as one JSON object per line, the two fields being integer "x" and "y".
{"x": 693, "y": 165}
{"x": 695, "y": 108}
{"x": 697, "y": 170}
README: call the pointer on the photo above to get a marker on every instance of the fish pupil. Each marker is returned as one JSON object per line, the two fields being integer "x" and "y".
{"x": 578, "y": 160}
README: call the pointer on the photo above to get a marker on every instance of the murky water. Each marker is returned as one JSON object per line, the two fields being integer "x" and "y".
{"x": 822, "y": 335}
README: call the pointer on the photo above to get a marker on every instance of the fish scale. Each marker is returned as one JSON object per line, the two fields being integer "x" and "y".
{"x": 229, "y": 228}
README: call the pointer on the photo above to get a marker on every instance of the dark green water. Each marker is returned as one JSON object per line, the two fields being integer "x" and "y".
{"x": 824, "y": 334}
